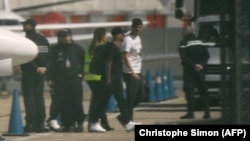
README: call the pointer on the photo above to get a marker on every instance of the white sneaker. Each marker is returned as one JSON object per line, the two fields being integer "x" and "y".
{"x": 54, "y": 124}
{"x": 96, "y": 127}
{"x": 130, "y": 126}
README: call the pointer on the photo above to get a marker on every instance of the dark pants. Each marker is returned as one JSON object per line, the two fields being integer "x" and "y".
{"x": 117, "y": 90}
{"x": 192, "y": 80}
{"x": 32, "y": 89}
{"x": 134, "y": 92}
{"x": 56, "y": 100}
{"x": 71, "y": 93}
{"x": 98, "y": 102}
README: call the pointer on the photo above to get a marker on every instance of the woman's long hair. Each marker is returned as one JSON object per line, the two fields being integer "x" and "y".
{"x": 97, "y": 40}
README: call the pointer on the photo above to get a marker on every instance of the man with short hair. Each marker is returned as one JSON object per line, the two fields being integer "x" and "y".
{"x": 113, "y": 78}
{"x": 194, "y": 57}
{"x": 66, "y": 70}
{"x": 32, "y": 81}
{"x": 131, "y": 48}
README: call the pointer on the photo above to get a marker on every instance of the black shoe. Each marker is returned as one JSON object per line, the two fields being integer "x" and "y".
{"x": 206, "y": 116}
{"x": 188, "y": 116}
{"x": 1, "y": 138}
{"x": 42, "y": 129}
{"x": 120, "y": 119}
{"x": 79, "y": 127}
{"x": 28, "y": 128}
{"x": 107, "y": 127}
{"x": 64, "y": 129}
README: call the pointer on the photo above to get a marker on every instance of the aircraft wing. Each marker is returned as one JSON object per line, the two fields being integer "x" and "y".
{"x": 79, "y": 37}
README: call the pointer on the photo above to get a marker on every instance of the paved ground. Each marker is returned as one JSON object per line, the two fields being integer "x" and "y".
{"x": 162, "y": 112}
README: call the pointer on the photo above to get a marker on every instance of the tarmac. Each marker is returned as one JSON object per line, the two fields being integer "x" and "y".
{"x": 164, "y": 112}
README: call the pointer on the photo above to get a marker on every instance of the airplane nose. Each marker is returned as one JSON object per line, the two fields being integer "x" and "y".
{"x": 17, "y": 47}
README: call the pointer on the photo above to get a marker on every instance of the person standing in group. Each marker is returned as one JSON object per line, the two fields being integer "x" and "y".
{"x": 32, "y": 81}
{"x": 113, "y": 77}
{"x": 131, "y": 48}
{"x": 56, "y": 98}
{"x": 194, "y": 56}
{"x": 94, "y": 81}
{"x": 65, "y": 71}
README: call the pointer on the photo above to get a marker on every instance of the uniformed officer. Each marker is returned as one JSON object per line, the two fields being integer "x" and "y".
{"x": 194, "y": 56}
{"x": 32, "y": 81}
{"x": 66, "y": 70}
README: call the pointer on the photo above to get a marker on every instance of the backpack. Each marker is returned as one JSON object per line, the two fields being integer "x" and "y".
{"x": 97, "y": 64}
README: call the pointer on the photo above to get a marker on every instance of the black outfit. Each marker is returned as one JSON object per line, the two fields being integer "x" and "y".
{"x": 192, "y": 52}
{"x": 98, "y": 97}
{"x": 32, "y": 85}
{"x": 65, "y": 67}
{"x": 113, "y": 53}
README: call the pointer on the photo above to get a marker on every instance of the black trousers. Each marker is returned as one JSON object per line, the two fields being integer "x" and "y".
{"x": 56, "y": 100}
{"x": 116, "y": 89}
{"x": 193, "y": 79}
{"x": 98, "y": 101}
{"x": 71, "y": 102}
{"x": 134, "y": 92}
{"x": 32, "y": 89}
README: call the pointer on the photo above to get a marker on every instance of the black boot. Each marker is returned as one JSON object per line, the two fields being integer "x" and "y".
{"x": 41, "y": 128}
{"x": 188, "y": 116}
{"x": 206, "y": 115}
{"x": 105, "y": 124}
{"x": 28, "y": 128}
{"x": 79, "y": 127}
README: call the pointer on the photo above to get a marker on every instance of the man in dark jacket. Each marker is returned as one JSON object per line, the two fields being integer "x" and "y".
{"x": 32, "y": 82}
{"x": 194, "y": 56}
{"x": 66, "y": 71}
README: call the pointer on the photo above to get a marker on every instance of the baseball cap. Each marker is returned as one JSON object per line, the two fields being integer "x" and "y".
{"x": 64, "y": 32}
{"x": 117, "y": 30}
{"x": 30, "y": 21}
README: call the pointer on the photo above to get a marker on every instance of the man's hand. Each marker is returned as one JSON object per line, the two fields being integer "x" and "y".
{"x": 136, "y": 76}
{"x": 198, "y": 67}
{"x": 41, "y": 70}
{"x": 50, "y": 83}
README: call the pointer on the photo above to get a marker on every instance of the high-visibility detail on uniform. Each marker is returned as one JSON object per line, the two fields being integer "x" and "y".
{"x": 195, "y": 42}
{"x": 87, "y": 74}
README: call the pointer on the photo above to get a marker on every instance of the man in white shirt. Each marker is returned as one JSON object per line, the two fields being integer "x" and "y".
{"x": 131, "y": 48}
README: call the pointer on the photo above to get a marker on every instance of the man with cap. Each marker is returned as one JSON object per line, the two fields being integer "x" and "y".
{"x": 131, "y": 48}
{"x": 32, "y": 81}
{"x": 65, "y": 71}
{"x": 113, "y": 79}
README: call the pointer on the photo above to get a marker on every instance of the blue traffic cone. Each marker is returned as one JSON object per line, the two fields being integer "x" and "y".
{"x": 111, "y": 107}
{"x": 171, "y": 84}
{"x": 158, "y": 86}
{"x": 150, "y": 85}
{"x": 165, "y": 83}
{"x": 15, "y": 122}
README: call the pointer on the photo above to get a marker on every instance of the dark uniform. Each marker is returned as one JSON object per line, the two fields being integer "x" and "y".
{"x": 193, "y": 52}
{"x": 32, "y": 84}
{"x": 65, "y": 70}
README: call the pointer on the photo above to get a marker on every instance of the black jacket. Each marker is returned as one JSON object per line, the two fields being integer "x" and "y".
{"x": 59, "y": 68}
{"x": 192, "y": 51}
{"x": 42, "y": 59}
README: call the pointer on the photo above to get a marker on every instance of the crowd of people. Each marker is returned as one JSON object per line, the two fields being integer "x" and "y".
{"x": 66, "y": 64}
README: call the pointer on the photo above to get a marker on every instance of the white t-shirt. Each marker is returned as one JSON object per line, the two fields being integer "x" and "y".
{"x": 132, "y": 45}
